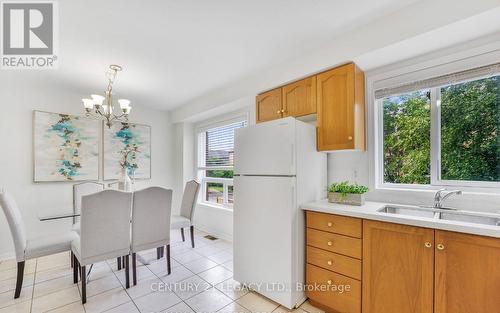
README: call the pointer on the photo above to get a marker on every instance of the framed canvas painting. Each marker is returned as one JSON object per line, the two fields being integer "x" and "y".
{"x": 65, "y": 147}
{"x": 127, "y": 146}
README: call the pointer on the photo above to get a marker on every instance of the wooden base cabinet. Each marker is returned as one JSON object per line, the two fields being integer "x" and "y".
{"x": 467, "y": 278}
{"x": 333, "y": 270}
{"x": 394, "y": 268}
{"x": 398, "y": 268}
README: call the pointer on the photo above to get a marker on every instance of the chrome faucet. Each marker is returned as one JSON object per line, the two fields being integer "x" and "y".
{"x": 439, "y": 197}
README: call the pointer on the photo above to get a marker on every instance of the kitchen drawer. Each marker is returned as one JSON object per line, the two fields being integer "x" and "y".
{"x": 334, "y": 262}
{"x": 345, "y": 300}
{"x": 343, "y": 225}
{"x": 334, "y": 243}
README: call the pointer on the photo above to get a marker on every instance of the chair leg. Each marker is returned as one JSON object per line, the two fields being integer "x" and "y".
{"x": 75, "y": 269}
{"x": 169, "y": 270}
{"x": 71, "y": 258}
{"x": 19, "y": 281}
{"x": 127, "y": 272}
{"x": 182, "y": 235}
{"x": 134, "y": 268}
{"x": 119, "y": 263}
{"x": 191, "y": 230}
{"x": 84, "y": 285}
{"x": 158, "y": 253}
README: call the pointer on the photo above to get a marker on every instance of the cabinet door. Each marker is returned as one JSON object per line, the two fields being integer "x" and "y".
{"x": 299, "y": 98}
{"x": 398, "y": 268}
{"x": 467, "y": 275}
{"x": 340, "y": 104}
{"x": 269, "y": 105}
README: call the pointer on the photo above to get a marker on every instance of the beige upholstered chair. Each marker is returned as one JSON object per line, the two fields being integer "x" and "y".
{"x": 105, "y": 232}
{"x": 80, "y": 190}
{"x": 185, "y": 219}
{"x": 29, "y": 249}
{"x": 151, "y": 212}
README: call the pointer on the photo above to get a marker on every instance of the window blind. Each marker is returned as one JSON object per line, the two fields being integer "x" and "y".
{"x": 449, "y": 79}
{"x": 219, "y": 145}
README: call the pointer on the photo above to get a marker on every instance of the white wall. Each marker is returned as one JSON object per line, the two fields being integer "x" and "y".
{"x": 22, "y": 92}
{"x": 212, "y": 219}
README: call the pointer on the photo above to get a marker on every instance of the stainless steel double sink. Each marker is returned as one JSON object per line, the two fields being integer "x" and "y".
{"x": 448, "y": 214}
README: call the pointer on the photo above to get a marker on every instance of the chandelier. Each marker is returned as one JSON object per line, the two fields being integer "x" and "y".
{"x": 103, "y": 107}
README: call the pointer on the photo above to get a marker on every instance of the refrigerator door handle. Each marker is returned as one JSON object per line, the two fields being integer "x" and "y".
{"x": 292, "y": 152}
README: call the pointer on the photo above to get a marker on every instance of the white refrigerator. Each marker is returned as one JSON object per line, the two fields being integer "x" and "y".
{"x": 277, "y": 168}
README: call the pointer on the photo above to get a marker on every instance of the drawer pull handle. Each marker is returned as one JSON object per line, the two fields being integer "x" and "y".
{"x": 329, "y": 282}
{"x": 440, "y": 246}
{"x": 428, "y": 245}
{"x": 329, "y": 224}
{"x": 329, "y": 243}
{"x": 329, "y": 262}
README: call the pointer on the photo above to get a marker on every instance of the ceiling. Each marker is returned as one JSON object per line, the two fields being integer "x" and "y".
{"x": 175, "y": 51}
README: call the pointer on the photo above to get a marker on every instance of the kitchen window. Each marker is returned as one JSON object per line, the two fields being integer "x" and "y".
{"x": 216, "y": 161}
{"x": 442, "y": 131}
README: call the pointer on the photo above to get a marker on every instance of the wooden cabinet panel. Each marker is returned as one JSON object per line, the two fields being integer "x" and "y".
{"x": 347, "y": 300}
{"x": 398, "y": 268}
{"x": 467, "y": 277}
{"x": 334, "y": 262}
{"x": 269, "y": 106}
{"x": 343, "y": 225}
{"x": 340, "y": 106}
{"x": 334, "y": 243}
{"x": 299, "y": 98}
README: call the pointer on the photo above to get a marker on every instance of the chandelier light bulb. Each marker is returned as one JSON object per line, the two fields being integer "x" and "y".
{"x": 88, "y": 103}
{"x": 124, "y": 103}
{"x": 98, "y": 99}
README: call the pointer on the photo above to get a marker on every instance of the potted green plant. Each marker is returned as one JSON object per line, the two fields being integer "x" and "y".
{"x": 346, "y": 193}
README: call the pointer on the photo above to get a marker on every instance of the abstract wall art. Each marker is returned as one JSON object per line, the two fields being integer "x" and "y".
{"x": 127, "y": 146}
{"x": 66, "y": 147}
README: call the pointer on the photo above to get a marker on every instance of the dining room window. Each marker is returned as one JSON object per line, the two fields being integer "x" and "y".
{"x": 216, "y": 162}
{"x": 443, "y": 131}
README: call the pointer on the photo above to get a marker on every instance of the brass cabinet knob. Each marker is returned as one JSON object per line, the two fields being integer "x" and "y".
{"x": 278, "y": 112}
{"x": 440, "y": 246}
{"x": 329, "y": 243}
{"x": 329, "y": 282}
{"x": 349, "y": 138}
{"x": 329, "y": 224}
{"x": 428, "y": 245}
{"x": 283, "y": 111}
{"x": 329, "y": 262}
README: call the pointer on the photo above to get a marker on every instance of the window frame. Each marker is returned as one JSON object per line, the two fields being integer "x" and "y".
{"x": 200, "y": 160}
{"x": 435, "y": 150}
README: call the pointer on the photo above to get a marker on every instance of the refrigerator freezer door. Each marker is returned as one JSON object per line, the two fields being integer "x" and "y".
{"x": 264, "y": 214}
{"x": 266, "y": 149}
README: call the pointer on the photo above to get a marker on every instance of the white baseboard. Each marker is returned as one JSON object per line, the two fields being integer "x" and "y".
{"x": 7, "y": 256}
{"x": 214, "y": 232}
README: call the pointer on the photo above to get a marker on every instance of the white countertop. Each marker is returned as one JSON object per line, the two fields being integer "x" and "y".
{"x": 369, "y": 211}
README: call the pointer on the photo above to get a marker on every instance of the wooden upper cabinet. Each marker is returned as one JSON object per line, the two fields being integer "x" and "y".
{"x": 299, "y": 98}
{"x": 341, "y": 109}
{"x": 398, "y": 268}
{"x": 467, "y": 277}
{"x": 269, "y": 105}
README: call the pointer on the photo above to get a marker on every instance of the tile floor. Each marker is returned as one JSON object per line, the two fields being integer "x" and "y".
{"x": 201, "y": 281}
